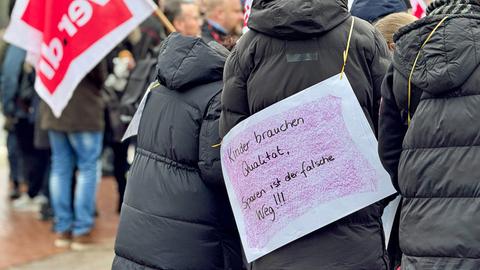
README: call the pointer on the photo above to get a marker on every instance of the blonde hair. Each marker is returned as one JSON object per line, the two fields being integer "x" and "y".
{"x": 390, "y": 24}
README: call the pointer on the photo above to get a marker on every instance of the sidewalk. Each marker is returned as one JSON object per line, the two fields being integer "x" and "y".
{"x": 27, "y": 243}
{"x": 99, "y": 258}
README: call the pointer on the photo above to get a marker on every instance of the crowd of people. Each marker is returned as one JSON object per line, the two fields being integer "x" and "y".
{"x": 417, "y": 82}
{"x": 59, "y": 160}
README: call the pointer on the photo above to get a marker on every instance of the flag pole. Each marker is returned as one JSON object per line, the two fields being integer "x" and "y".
{"x": 168, "y": 25}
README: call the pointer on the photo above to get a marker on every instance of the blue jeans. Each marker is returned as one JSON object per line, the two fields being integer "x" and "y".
{"x": 82, "y": 149}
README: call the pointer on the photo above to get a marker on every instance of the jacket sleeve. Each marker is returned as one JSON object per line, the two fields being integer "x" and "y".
{"x": 379, "y": 65}
{"x": 234, "y": 96}
{"x": 209, "y": 157}
{"x": 391, "y": 129}
{"x": 12, "y": 70}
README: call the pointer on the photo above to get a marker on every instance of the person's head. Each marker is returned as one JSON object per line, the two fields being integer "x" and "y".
{"x": 390, "y": 24}
{"x": 227, "y": 13}
{"x": 185, "y": 16}
{"x": 373, "y": 10}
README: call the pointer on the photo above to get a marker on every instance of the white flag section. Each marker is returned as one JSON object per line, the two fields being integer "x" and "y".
{"x": 246, "y": 15}
{"x": 300, "y": 165}
{"x": 67, "y": 39}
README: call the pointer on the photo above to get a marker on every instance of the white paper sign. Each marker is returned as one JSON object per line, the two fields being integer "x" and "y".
{"x": 389, "y": 217}
{"x": 132, "y": 129}
{"x": 300, "y": 165}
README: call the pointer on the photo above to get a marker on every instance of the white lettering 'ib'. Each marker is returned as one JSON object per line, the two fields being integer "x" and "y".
{"x": 79, "y": 13}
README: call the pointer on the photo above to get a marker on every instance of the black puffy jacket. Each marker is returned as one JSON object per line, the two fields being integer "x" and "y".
{"x": 292, "y": 45}
{"x": 176, "y": 213}
{"x": 434, "y": 161}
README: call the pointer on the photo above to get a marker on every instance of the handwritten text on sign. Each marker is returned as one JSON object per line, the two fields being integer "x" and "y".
{"x": 280, "y": 168}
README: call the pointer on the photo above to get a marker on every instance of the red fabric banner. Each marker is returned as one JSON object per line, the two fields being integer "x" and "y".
{"x": 68, "y": 38}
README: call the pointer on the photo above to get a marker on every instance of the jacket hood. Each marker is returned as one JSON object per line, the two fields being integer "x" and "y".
{"x": 185, "y": 62}
{"x": 297, "y": 19}
{"x": 371, "y": 10}
{"x": 447, "y": 60}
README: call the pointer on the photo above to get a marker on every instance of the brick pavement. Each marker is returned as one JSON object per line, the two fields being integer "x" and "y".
{"x": 24, "y": 240}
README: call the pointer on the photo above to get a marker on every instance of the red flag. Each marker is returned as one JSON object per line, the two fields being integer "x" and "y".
{"x": 419, "y": 8}
{"x": 67, "y": 39}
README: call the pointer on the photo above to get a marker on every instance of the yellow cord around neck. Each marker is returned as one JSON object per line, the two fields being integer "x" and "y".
{"x": 415, "y": 65}
{"x": 345, "y": 53}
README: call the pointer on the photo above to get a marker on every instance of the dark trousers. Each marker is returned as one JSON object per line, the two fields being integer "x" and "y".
{"x": 14, "y": 159}
{"x": 35, "y": 162}
{"x": 120, "y": 167}
{"x": 394, "y": 251}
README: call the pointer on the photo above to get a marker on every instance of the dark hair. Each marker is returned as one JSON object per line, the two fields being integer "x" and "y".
{"x": 173, "y": 8}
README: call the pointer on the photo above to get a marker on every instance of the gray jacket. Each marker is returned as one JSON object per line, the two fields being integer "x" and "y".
{"x": 85, "y": 111}
{"x": 434, "y": 161}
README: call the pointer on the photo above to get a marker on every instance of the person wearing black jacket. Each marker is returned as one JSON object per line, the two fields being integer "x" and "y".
{"x": 176, "y": 213}
{"x": 292, "y": 45}
{"x": 429, "y": 136}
